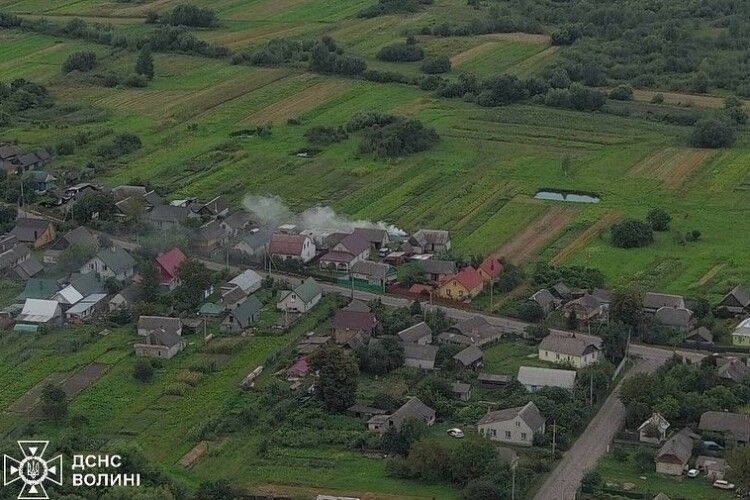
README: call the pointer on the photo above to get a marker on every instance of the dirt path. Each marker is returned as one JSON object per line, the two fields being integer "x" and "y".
{"x": 672, "y": 165}
{"x": 468, "y": 55}
{"x": 681, "y": 99}
{"x": 532, "y": 239}
{"x": 709, "y": 275}
{"x": 582, "y": 239}
{"x": 532, "y": 63}
{"x": 307, "y": 99}
{"x": 303, "y": 492}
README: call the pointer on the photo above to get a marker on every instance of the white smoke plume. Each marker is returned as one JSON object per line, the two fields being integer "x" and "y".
{"x": 271, "y": 211}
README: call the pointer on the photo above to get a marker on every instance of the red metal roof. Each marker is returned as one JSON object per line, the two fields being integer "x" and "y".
{"x": 468, "y": 277}
{"x": 286, "y": 244}
{"x": 168, "y": 263}
{"x": 491, "y": 266}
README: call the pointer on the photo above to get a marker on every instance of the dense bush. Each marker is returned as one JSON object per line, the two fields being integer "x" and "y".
{"x": 713, "y": 133}
{"x": 384, "y": 76}
{"x": 401, "y": 137}
{"x": 326, "y": 57}
{"x": 435, "y": 65}
{"x": 621, "y": 93}
{"x": 179, "y": 39}
{"x": 79, "y": 61}
{"x": 276, "y": 53}
{"x": 325, "y": 135}
{"x": 632, "y": 233}
{"x": 21, "y": 95}
{"x": 364, "y": 120}
{"x": 401, "y": 52}
{"x": 120, "y": 145}
{"x": 658, "y": 219}
{"x": 188, "y": 15}
{"x": 576, "y": 97}
{"x": 384, "y": 7}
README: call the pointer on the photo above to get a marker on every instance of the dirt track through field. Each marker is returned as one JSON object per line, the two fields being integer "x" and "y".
{"x": 532, "y": 63}
{"x": 532, "y": 239}
{"x": 672, "y": 165}
{"x": 307, "y": 99}
{"x": 678, "y": 99}
{"x": 709, "y": 275}
{"x": 468, "y": 55}
{"x": 26, "y": 403}
{"x": 582, "y": 239}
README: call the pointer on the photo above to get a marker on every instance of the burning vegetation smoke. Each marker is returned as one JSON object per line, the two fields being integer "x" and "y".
{"x": 271, "y": 211}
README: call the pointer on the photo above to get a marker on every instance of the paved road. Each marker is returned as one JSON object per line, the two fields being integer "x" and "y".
{"x": 594, "y": 442}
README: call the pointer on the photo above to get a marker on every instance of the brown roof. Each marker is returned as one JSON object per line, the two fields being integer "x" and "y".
{"x": 354, "y": 244}
{"x": 371, "y": 234}
{"x": 353, "y": 320}
{"x": 286, "y": 244}
{"x": 415, "y": 332}
{"x": 421, "y": 352}
{"x": 679, "y": 446}
{"x": 28, "y": 230}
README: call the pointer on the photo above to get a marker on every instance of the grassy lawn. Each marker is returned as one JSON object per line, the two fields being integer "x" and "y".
{"x": 651, "y": 483}
{"x": 507, "y": 357}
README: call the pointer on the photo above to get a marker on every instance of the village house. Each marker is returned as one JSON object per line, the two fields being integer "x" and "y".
{"x": 465, "y": 284}
{"x": 111, "y": 262}
{"x": 713, "y": 468}
{"x": 38, "y": 288}
{"x": 412, "y": 409}
{"x": 494, "y": 380}
{"x": 469, "y": 358}
{"x": 159, "y": 344}
{"x": 378, "y": 238}
{"x": 43, "y": 181}
{"x": 154, "y": 324}
{"x": 534, "y": 378}
{"x": 741, "y": 334}
{"x": 344, "y": 253}
{"x": 490, "y": 269}
{"x": 87, "y": 308}
{"x": 254, "y": 245}
{"x": 80, "y": 237}
{"x": 586, "y": 308}
{"x": 420, "y": 334}
{"x": 652, "y": 302}
{"x": 373, "y": 273}
{"x": 243, "y": 316}
{"x": 677, "y": 318}
{"x": 14, "y": 256}
{"x": 461, "y": 391}
{"x": 235, "y": 223}
{"x": 13, "y": 160}
{"x": 732, "y": 369}
{"x": 420, "y": 356}
{"x": 217, "y": 207}
{"x": 734, "y": 426}
{"x": 736, "y": 302}
{"x": 26, "y": 266}
{"x": 240, "y": 287}
{"x": 700, "y": 335}
{"x": 364, "y": 412}
{"x": 546, "y": 301}
{"x": 429, "y": 241}
{"x": 165, "y": 217}
{"x": 562, "y": 348}
{"x": 300, "y": 299}
{"x": 673, "y": 456}
{"x": 41, "y": 312}
{"x": 125, "y": 298}
{"x": 353, "y": 328}
{"x": 518, "y": 425}
{"x": 67, "y": 296}
{"x": 210, "y": 236}
{"x": 653, "y": 430}
{"x": 437, "y": 270}
{"x": 36, "y": 232}
{"x": 475, "y": 330}
{"x": 310, "y": 343}
{"x": 291, "y": 247}
{"x": 166, "y": 266}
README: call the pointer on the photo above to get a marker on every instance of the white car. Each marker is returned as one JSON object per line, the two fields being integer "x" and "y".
{"x": 693, "y": 473}
{"x": 456, "y": 433}
{"x": 723, "y": 485}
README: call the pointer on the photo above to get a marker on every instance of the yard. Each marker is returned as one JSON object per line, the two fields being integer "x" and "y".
{"x": 506, "y": 357}
{"x": 625, "y": 476}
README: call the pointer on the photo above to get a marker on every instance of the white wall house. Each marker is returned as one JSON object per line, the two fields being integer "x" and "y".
{"x": 516, "y": 425}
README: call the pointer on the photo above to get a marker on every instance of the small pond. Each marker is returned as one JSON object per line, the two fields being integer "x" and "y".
{"x": 568, "y": 196}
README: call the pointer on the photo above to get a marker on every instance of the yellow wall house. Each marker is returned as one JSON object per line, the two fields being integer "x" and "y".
{"x": 741, "y": 335}
{"x": 463, "y": 285}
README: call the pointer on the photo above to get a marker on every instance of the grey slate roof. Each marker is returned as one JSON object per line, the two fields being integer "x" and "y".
{"x": 151, "y": 324}
{"x": 80, "y": 236}
{"x": 169, "y": 213}
{"x": 246, "y": 310}
{"x": 546, "y": 377}
{"x": 432, "y": 236}
{"x": 374, "y": 270}
{"x": 680, "y": 445}
{"x": 569, "y": 344}
{"x": 736, "y": 424}
{"x": 653, "y": 300}
{"x": 415, "y": 332}
{"x": 308, "y": 290}
{"x": 414, "y": 408}
{"x": 432, "y": 266}
{"x": 420, "y": 352}
{"x": 460, "y": 388}
{"x": 469, "y": 356}
{"x": 733, "y": 369}
{"x": 673, "y": 316}
{"x": 741, "y": 294}
{"x": 116, "y": 258}
{"x": 529, "y": 413}
{"x": 26, "y": 228}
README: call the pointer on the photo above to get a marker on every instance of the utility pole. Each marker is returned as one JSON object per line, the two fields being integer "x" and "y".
{"x": 591, "y": 387}
{"x": 554, "y": 437}
{"x": 513, "y": 466}
{"x": 492, "y": 287}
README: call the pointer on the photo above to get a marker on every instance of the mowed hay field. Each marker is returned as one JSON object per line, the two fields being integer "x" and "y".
{"x": 479, "y": 181}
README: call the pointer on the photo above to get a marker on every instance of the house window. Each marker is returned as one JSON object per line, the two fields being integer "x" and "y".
{"x": 523, "y": 436}
{"x": 518, "y": 424}
{"x": 507, "y": 434}
{"x": 494, "y": 433}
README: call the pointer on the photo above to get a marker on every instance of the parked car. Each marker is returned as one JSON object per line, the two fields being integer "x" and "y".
{"x": 712, "y": 446}
{"x": 693, "y": 473}
{"x": 723, "y": 485}
{"x": 456, "y": 433}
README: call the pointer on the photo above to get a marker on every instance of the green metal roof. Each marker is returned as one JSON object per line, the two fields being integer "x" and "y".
{"x": 20, "y": 327}
{"x": 38, "y": 289}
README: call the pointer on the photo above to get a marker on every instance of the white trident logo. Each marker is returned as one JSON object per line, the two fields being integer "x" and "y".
{"x": 33, "y": 470}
